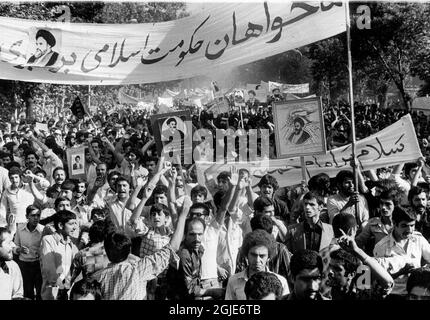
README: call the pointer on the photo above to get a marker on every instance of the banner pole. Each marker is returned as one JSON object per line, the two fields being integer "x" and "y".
{"x": 302, "y": 164}
{"x": 351, "y": 102}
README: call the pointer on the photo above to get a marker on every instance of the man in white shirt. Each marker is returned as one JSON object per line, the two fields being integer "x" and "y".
{"x": 27, "y": 240}
{"x": 56, "y": 255}
{"x": 11, "y": 284}
{"x": 15, "y": 200}
{"x": 346, "y": 199}
{"x": 405, "y": 242}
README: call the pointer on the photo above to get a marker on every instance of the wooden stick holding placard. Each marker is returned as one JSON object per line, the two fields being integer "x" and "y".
{"x": 303, "y": 165}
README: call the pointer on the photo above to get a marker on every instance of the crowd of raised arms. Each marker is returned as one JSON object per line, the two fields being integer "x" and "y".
{"x": 140, "y": 228}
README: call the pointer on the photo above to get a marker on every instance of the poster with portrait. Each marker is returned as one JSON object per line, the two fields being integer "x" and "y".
{"x": 43, "y": 49}
{"x": 76, "y": 162}
{"x": 173, "y": 134}
{"x": 299, "y": 128}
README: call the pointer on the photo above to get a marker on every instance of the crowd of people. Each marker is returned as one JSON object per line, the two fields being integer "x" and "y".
{"x": 138, "y": 227}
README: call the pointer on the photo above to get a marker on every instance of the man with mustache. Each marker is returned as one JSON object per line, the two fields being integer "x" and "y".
{"x": 345, "y": 200}
{"x": 403, "y": 241}
{"x": 258, "y": 248}
{"x": 418, "y": 199}
{"x": 307, "y": 270}
{"x": 44, "y": 55}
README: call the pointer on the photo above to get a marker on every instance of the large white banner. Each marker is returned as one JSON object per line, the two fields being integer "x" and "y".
{"x": 391, "y": 146}
{"x": 228, "y": 35}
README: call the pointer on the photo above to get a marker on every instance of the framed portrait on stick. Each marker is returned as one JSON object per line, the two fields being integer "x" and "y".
{"x": 76, "y": 162}
{"x": 299, "y": 128}
{"x": 173, "y": 135}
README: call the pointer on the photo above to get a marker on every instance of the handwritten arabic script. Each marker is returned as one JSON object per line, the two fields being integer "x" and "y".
{"x": 115, "y": 54}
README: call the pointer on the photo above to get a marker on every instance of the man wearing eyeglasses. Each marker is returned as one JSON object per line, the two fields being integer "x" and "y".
{"x": 27, "y": 240}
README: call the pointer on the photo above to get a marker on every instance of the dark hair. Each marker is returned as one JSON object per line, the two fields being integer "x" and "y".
{"x": 262, "y": 222}
{"x": 348, "y": 260}
{"x": 320, "y": 182}
{"x": 299, "y": 120}
{"x": 251, "y": 92}
{"x": 86, "y": 286}
{"x": 39, "y": 170}
{"x": 200, "y": 206}
{"x": 343, "y": 221}
{"x": 262, "y": 202}
{"x": 198, "y": 189}
{"x": 11, "y": 165}
{"x": 159, "y": 207}
{"x": 113, "y": 173}
{"x": 305, "y": 259}
{"x": 3, "y": 230}
{"x": 343, "y": 175}
{"x": 391, "y": 194}
{"x": 261, "y": 284}
{"x": 419, "y": 278}
{"x": 160, "y": 189}
{"x": 29, "y": 152}
{"x": 58, "y": 200}
{"x": 30, "y": 209}
{"x": 15, "y": 170}
{"x": 122, "y": 178}
{"x": 400, "y": 214}
{"x": 68, "y": 185}
{"x": 193, "y": 220}
{"x": 414, "y": 192}
{"x": 78, "y": 157}
{"x": 386, "y": 184}
{"x": 258, "y": 238}
{"x": 312, "y": 195}
{"x": 96, "y": 232}
{"x": 56, "y": 169}
{"x": 223, "y": 175}
{"x": 48, "y": 36}
{"x": 270, "y": 180}
{"x": 117, "y": 246}
{"x": 410, "y": 166}
{"x": 63, "y": 217}
{"x": 218, "y": 196}
{"x": 97, "y": 211}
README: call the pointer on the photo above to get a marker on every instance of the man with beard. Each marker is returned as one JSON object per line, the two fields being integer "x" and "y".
{"x": 307, "y": 271}
{"x": 299, "y": 136}
{"x": 258, "y": 248}
{"x": 44, "y": 55}
{"x": 312, "y": 234}
{"x": 418, "y": 201}
{"x": 405, "y": 242}
{"x": 11, "y": 284}
{"x": 379, "y": 227}
{"x": 346, "y": 199}
{"x": 344, "y": 272}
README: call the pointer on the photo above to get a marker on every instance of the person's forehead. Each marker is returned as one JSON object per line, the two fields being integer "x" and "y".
{"x": 259, "y": 249}
{"x": 269, "y": 208}
{"x": 195, "y": 226}
{"x": 310, "y": 201}
{"x": 407, "y": 223}
{"x": 309, "y": 273}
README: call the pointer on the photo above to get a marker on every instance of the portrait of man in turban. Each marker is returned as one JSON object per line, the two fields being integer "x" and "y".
{"x": 44, "y": 55}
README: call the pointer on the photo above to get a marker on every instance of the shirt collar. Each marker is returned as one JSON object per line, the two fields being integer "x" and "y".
{"x": 318, "y": 226}
{"x": 60, "y": 239}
